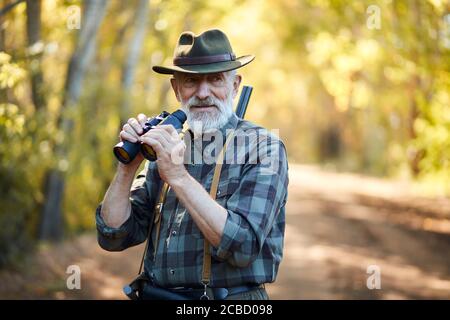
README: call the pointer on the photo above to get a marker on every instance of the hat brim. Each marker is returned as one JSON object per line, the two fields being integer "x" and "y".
{"x": 206, "y": 68}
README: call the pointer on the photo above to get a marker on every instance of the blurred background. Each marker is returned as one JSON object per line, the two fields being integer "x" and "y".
{"x": 360, "y": 91}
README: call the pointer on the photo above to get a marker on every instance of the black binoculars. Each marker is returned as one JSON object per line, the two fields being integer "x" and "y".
{"x": 126, "y": 151}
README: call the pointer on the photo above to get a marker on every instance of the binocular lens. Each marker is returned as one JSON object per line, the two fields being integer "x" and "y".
{"x": 148, "y": 152}
{"x": 122, "y": 155}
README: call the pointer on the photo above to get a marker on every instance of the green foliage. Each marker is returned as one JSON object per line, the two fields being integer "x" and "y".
{"x": 23, "y": 159}
{"x": 16, "y": 201}
{"x": 14, "y": 185}
{"x": 433, "y": 137}
{"x": 344, "y": 95}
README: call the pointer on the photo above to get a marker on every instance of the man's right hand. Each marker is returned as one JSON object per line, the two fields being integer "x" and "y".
{"x": 133, "y": 128}
{"x": 131, "y": 132}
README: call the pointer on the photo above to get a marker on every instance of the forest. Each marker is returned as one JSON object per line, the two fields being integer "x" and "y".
{"x": 353, "y": 86}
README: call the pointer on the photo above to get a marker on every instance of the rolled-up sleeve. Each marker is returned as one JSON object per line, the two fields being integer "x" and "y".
{"x": 254, "y": 206}
{"x": 135, "y": 229}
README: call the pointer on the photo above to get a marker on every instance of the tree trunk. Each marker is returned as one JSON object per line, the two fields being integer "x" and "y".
{"x": 52, "y": 217}
{"x": 2, "y": 31}
{"x": 132, "y": 57}
{"x": 416, "y": 154}
{"x": 34, "y": 40}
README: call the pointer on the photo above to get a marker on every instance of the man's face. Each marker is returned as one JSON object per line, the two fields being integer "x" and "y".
{"x": 207, "y": 99}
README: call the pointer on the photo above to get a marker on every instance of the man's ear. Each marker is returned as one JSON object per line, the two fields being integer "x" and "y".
{"x": 236, "y": 83}
{"x": 174, "y": 84}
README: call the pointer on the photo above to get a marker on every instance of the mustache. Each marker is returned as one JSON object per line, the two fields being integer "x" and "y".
{"x": 209, "y": 101}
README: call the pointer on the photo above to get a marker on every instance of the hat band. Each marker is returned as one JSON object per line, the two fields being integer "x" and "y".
{"x": 183, "y": 61}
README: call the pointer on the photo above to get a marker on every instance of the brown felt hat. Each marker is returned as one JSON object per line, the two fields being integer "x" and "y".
{"x": 208, "y": 52}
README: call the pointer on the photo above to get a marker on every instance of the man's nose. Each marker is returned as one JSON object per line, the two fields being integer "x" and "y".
{"x": 203, "y": 90}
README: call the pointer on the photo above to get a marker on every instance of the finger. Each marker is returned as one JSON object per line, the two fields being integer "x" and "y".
{"x": 125, "y": 136}
{"x": 169, "y": 132}
{"x": 155, "y": 144}
{"x": 142, "y": 118}
{"x": 135, "y": 125}
{"x": 172, "y": 131}
{"x": 169, "y": 128}
{"x": 165, "y": 133}
{"x": 161, "y": 132}
{"x": 127, "y": 128}
{"x": 157, "y": 135}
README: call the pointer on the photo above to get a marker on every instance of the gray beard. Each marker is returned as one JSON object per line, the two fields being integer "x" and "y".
{"x": 205, "y": 121}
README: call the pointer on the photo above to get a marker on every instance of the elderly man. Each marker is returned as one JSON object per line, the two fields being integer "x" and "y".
{"x": 229, "y": 242}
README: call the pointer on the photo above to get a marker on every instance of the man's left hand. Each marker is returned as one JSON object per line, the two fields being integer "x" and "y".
{"x": 169, "y": 148}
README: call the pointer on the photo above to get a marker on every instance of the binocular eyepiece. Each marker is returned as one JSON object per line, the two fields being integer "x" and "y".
{"x": 126, "y": 151}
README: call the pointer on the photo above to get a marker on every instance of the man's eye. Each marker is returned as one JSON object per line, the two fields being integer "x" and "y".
{"x": 216, "y": 79}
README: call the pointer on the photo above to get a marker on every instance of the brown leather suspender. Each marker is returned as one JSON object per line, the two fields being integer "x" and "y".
{"x": 206, "y": 272}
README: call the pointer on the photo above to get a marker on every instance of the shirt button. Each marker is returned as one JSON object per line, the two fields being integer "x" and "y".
{"x": 172, "y": 272}
{"x": 174, "y": 233}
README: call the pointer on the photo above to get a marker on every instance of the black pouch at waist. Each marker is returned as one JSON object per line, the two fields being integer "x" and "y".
{"x": 142, "y": 288}
{"x": 151, "y": 292}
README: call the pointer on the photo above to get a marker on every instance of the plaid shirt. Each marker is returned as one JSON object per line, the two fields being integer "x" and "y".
{"x": 253, "y": 191}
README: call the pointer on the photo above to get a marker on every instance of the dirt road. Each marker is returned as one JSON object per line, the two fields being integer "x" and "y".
{"x": 337, "y": 226}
